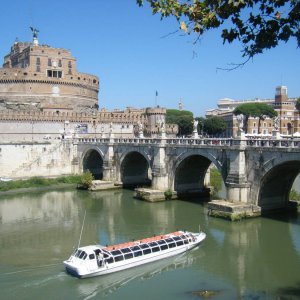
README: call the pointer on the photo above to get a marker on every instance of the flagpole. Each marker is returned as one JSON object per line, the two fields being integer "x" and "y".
{"x": 156, "y": 94}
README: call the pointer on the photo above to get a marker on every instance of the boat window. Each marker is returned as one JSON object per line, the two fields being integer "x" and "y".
{"x": 171, "y": 245}
{"x": 135, "y": 248}
{"x": 146, "y": 251}
{"x": 186, "y": 241}
{"x": 109, "y": 260}
{"x": 184, "y": 237}
{"x": 155, "y": 249}
{"x": 128, "y": 255}
{"x": 78, "y": 253}
{"x": 91, "y": 256}
{"x": 164, "y": 247}
{"x": 116, "y": 252}
{"x": 179, "y": 243}
{"x": 137, "y": 253}
{"x": 125, "y": 250}
{"x": 119, "y": 258}
{"x": 190, "y": 240}
{"x": 153, "y": 244}
{"x": 82, "y": 254}
{"x": 97, "y": 251}
{"x": 161, "y": 242}
{"x": 177, "y": 238}
{"x": 169, "y": 240}
{"x": 105, "y": 255}
{"x": 144, "y": 246}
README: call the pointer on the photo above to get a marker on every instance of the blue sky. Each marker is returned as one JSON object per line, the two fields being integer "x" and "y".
{"x": 124, "y": 45}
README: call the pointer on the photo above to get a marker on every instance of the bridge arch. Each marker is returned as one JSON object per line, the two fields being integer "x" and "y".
{"x": 134, "y": 169}
{"x": 276, "y": 184}
{"x": 92, "y": 160}
{"x": 190, "y": 171}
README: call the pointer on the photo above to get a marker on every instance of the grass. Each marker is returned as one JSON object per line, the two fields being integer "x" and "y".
{"x": 39, "y": 182}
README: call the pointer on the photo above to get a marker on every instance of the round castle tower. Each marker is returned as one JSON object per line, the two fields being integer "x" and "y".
{"x": 40, "y": 77}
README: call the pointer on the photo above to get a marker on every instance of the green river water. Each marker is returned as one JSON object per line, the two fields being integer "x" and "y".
{"x": 253, "y": 259}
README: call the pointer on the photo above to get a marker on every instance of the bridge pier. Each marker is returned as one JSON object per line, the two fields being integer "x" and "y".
{"x": 108, "y": 166}
{"x": 159, "y": 171}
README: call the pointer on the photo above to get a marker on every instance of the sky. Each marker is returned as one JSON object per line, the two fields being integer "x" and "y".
{"x": 135, "y": 54}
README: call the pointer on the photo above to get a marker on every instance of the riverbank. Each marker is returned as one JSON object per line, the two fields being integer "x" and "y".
{"x": 38, "y": 183}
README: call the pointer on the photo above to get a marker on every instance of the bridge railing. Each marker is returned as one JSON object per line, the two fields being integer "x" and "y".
{"x": 221, "y": 142}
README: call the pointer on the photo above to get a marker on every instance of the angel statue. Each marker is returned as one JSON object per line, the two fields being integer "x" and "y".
{"x": 276, "y": 123}
{"x": 34, "y": 32}
{"x": 240, "y": 119}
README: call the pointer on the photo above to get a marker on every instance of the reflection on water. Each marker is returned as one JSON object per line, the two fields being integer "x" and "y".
{"x": 109, "y": 284}
{"x": 254, "y": 258}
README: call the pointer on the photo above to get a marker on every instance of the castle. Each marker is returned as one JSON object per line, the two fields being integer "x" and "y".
{"x": 42, "y": 95}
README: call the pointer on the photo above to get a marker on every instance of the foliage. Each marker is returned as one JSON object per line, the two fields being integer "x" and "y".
{"x": 298, "y": 104}
{"x": 38, "y": 182}
{"x": 294, "y": 195}
{"x": 86, "y": 179}
{"x": 256, "y": 110}
{"x": 257, "y": 24}
{"x": 214, "y": 125}
{"x": 168, "y": 194}
{"x": 215, "y": 180}
{"x": 183, "y": 118}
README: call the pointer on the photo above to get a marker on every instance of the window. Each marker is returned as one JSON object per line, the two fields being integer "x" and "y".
{"x": 163, "y": 247}
{"x": 54, "y": 74}
{"x": 169, "y": 240}
{"x": 135, "y": 248}
{"x": 144, "y": 246}
{"x": 49, "y": 62}
{"x": 137, "y": 253}
{"x": 70, "y": 71}
{"x": 69, "y": 64}
{"x": 92, "y": 256}
{"x": 146, "y": 251}
{"x": 177, "y": 238}
{"x": 172, "y": 245}
{"x": 125, "y": 250}
{"x": 128, "y": 255}
{"x": 59, "y": 63}
{"x": 153, "y": 244}
{"x": 155, "y": 249}
{"x": 119, "y": 258}
{"x": 179, "y": 243}
{"x": 116, "y": 252}
{"x": 109, "y": 260}
{"x": 161, "y": 242}
{"x": 38, "y": 61}
{"x": 38, "y": 69}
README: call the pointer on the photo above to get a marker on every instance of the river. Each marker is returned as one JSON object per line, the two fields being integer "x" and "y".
{"x": 253, "y": 259}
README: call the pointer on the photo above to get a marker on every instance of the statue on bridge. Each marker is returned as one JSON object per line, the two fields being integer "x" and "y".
{"x": 240, "y": 119}
{"x": 276, "y": 123}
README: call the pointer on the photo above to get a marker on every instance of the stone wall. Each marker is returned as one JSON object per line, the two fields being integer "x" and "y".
{"x": 24, "y": 160}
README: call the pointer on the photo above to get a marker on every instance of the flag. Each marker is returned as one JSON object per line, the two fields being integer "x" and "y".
{"x": 156, "y": 93}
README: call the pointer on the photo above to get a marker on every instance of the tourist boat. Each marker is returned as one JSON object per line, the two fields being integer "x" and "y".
{"x": 97, "y": 260}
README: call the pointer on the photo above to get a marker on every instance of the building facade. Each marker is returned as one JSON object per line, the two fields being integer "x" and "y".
{"x": 288, "y": 115}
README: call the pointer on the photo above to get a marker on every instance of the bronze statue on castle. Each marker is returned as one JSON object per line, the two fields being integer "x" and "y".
{"x": 34, "y": 32}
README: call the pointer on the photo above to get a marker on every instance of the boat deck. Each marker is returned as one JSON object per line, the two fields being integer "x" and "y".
{"x": 143, "y": 241}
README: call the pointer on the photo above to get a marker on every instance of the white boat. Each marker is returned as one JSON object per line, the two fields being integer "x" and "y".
{"x": 97, "y": 260}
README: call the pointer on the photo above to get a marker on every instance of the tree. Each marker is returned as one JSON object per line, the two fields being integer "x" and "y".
{"x": 214, "y": 125}
{"x": 257, "y": 24}
{"x": 298, "y": 105}
{"x": 255, "y": 110}
{"x": 183, "y": 118}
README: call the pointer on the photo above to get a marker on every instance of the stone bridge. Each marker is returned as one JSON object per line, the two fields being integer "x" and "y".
{"x": 257, "y": 172}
